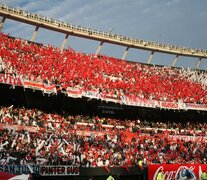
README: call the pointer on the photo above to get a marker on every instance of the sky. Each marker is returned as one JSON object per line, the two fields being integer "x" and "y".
{"x": 176, "y": 22}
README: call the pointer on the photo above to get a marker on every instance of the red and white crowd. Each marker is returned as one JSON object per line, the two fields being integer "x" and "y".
{"x": 61, "y": 138}
{"x": 107, "y": 75}
{"x": 122, "y": 142}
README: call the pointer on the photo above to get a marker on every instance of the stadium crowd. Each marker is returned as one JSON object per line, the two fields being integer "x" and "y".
{"x": 95, "y": 141}
{"x": 68, "y": 68}
{"x": 121, "y": 143}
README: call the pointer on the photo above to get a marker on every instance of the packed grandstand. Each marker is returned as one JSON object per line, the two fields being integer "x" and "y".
{"x": 101, "y": 74}
{"x": 53, "y": 138}
{"x": 164, "y": 122}
{"x": 93, "y": 141}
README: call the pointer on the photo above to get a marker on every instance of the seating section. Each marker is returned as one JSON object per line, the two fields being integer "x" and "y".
{"x": 68, "y": 68}
{"x": 62, "y": 139}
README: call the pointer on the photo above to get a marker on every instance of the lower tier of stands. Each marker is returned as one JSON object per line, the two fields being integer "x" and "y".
{"x": 31, "y": 136}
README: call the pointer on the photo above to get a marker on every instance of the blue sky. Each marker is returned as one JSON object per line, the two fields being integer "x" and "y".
{"x": 177, "y": 22}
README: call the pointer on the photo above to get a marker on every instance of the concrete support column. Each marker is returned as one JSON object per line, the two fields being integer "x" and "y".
{"x": 198, "y": 63}
{"x": 150, "y": 57}
{"x": 2, "y": 23}
{"x": 34, "y": 33}
{"x": 175, "y": 61}
{"x": 99, "y": 48}
{"x": 64, "y": 42}
{"x": 125, "y": 53}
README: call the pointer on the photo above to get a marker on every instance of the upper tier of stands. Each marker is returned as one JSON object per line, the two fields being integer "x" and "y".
{"x": 68, "y": 68}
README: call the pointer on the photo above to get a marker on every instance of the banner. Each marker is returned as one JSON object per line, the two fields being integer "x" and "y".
{"x": 20, "y": 169}
{"x": 172, "y": 105}
{"x": 94, "y": 94}
{"x": 110, "y": 98}
{"x": 89, "y": 133}
{"x": 19, "y": 127}
{"x": 33, "y": 85}
{"x": 48, "y": 89}
{"x": 168, "y": 105}
{"x": 12, "y": 80}
{"x": 135, "y": 101}
{"x": 188, "y": 138}
{"x": 74, "y": 92}
{"x": 43, "y": 170}
{"x": 59, "y": 170}
{"x": 201, "y": 107}
{"x": 176, "y": 171}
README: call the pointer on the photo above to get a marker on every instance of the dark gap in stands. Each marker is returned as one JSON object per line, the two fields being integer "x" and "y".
{"x": 61, "y": 104}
